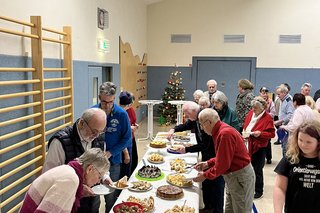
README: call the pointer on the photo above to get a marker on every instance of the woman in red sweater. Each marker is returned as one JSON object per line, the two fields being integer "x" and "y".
{"x": 258, "y": 128}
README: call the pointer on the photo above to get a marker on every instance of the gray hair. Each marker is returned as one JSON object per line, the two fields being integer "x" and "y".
{"x": 212, "y": 81}
{"x": 191, "y": 106}
{"x": 260, "y": 102}
{"x": 107, "y": 88}
{"x": 198, "y": 92}
{"x": 209, "y": 114}
{"x": 220, "y": 97}
{"x": 95, "y": 157}
{"x": 306, "y": 85}
{"x": 282, "y": 88}
{"x": 204, "y": 99}
{"x": 88, "y": 114}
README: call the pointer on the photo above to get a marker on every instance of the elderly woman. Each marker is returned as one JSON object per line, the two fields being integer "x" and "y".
{"x": 61, "y": 188}
{"x": 258, "y": 129}
{"x": 220, "y": 104}
{"x": 243, "y": 102}
{"x": 197, "y": 95}
{"x": 312, "y": 104}
{"x": 204, "y": 102}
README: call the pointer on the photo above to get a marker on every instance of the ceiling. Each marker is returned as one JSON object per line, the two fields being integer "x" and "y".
{"x": 151, "y": 1}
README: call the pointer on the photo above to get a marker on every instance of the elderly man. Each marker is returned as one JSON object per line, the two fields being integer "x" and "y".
{"x": 71, "y": 142}
{"x": 286, "y": 108}
{"x": 212, "y": 88}
{"x": 306, "y": 89}
{"x": 213, "y": 190}
{"x": 232, "y": 161}
{"x": 117, "y": 135}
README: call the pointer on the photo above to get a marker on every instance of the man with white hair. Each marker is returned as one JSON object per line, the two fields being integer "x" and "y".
{"x": 306, "y": 89}
{"x": 232, "y": 161}
{"x": 213, "y": 190}
{"x": 212, "y": 88}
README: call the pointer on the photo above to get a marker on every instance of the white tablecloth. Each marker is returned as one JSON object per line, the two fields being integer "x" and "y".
{"x": 190, "y": 194}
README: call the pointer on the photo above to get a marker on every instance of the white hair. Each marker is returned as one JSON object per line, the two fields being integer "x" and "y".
{"x": 198, "y": 92}
{"x": 212, "y": 81}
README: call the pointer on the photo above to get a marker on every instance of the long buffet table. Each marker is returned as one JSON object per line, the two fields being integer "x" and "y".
{"x": 191, "y": 194}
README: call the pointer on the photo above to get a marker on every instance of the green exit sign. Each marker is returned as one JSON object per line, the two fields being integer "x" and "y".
{"x": 104, "y": 45}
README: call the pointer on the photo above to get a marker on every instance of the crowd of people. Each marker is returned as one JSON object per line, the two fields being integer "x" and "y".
{"x": 235, "y": 144}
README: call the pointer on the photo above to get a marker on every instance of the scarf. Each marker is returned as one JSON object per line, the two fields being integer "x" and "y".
{"x": 79, "y": 171}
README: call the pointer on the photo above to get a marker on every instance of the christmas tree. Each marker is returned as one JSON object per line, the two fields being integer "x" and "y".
{"x": 174, "y": 91}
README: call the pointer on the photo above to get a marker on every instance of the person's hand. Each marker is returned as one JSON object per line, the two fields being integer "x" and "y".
{"x": 87, "y": 191}
{"x": 201, "y": 166}
{"x": 126, "y": 159}
{"x": 281, "y": 127}
{"x": 199, "y": 178}
{"x": 170, "y": 134}
{"x": 107, "y": 181}
{"x": 256, "y": 133}
{"x": 181, "y": 149}
{"x": 134, "y": 127}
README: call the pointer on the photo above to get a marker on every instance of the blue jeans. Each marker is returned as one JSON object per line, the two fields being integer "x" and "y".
{"x": 111, "y": 198}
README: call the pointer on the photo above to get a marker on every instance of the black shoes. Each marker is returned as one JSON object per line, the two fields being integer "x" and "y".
{"x": 258, "y": 195}
{"x": 269, "y": 161}
{"x": 277, "y": 143}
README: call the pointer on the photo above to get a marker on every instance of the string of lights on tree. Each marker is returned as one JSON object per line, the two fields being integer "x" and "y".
{"x": 174, "y": 91}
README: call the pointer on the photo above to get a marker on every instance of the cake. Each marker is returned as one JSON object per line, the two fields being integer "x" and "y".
{"x": 179, "y": 180}
{"x": 169, "y": 192}
{"x": 155, "y": 157}
{"x": 179, "y": 165}
{"x": 122, "y": 183}
{"x": 149, "y": 172}
{"x": 147, "y": 203}
{"x": 180, "y": 209}
{"x": 158, "y": 144}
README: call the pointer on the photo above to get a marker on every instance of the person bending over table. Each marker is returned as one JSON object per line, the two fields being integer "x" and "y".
{"x": 232, "y": 161}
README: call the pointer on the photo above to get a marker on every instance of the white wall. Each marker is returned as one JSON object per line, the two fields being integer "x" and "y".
{"x": 127, "y": 19}
{"x": 260, "y": 20}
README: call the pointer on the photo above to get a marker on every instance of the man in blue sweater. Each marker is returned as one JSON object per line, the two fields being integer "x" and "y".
{"x": 117, "y": 135}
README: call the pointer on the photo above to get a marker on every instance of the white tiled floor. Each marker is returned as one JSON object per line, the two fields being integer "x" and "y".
{"x": 264, "y": 205}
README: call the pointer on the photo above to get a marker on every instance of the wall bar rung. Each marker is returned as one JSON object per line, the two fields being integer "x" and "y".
{"x": 17, "y": 194}
{"x": 22, "y": 106}
{"x": 56, "y": 109}
{"x": 54, "y": 69}
{"x": 56, "y": 89}
{"x": 53, "y": 31}
{"x": 15, "y": 133}
{"x": 16, "y": 208}
{"x": 17, "y": 21}
{"x": 16, "y": 120}
{"x": 20, "y": 180}
{"x": 13, "y": 32}
{"x": 56, "y": 79}
{"x": 18, "y": 144}
{"x": 17, "y": 157}
{"x": 57, "y": 99}
{"x": 16, "y": 69}
{"x": 57, "y": 119}
{"x": 20, "y": 94}
{"x": 5, "y": 83}
{"x": 57, "y": 128}
{"x": 23, "y": 166}
{"x": 55, "y": 40}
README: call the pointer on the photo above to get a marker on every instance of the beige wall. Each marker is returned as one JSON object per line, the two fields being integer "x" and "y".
{"x": 127, "y": 19}
{"x": 260, "y": 20}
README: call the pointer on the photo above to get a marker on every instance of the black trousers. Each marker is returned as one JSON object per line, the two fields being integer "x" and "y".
{"x": 213, "y": 194}
{"x": 258, "y": 161}
{"x": 89, "y": 205}
{"x": 269, "y": 151}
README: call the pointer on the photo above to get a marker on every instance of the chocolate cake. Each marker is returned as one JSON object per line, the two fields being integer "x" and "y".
{"x": 149, "y": 172}
{"x": 169, "y": 192}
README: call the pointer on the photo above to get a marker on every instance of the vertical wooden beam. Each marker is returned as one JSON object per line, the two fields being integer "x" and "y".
{"x": 37, "y": 63}
{"x": 67, "y": 63}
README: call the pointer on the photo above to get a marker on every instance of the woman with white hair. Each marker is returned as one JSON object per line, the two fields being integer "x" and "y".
{"x": 204, "y": 102}
{"x": 197, "y": 95}
{"x": 61, "y": 188}
{"x": 258, "y": 128}
{"x": 227, "y": 114}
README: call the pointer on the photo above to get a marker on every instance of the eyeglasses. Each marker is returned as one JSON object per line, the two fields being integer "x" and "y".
{"x": 100, "y": 175}
{"x": 107, "y": 102}
{"x": 202, "y": 124}
{"x": 94, "y": 131}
